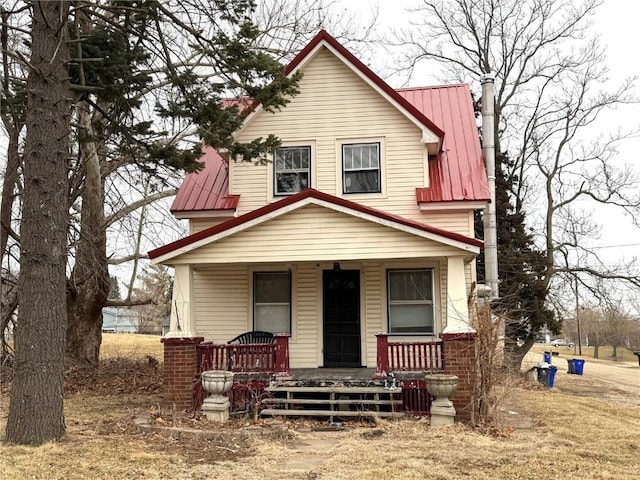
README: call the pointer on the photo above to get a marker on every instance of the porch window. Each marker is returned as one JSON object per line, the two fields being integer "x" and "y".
{"x": 272, "y": 301}
{"x": 410, "y": 301}
{"x": 361, "y": 168}
{"x": 292, "y": 170}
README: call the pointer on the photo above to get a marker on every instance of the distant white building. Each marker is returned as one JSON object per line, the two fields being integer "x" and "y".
{"x": 119, "y": 320}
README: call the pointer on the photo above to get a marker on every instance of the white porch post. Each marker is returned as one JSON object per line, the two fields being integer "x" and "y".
{"x": 182, "y": 322}
{"x": 457, "y": 308}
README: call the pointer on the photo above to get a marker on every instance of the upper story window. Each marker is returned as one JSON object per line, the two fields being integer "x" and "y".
{"x": 410, "y": 301}
{"x": 361, "y": 168}
{"x": 292, "y": 170}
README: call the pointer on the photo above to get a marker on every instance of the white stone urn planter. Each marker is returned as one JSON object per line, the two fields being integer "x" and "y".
{"x": 216, "y": 383}
{"x": 442, "y": 386}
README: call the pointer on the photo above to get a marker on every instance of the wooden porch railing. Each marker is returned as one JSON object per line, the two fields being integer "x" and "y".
{"x": 253, "y": 359}
{"x": 407, "y": 356}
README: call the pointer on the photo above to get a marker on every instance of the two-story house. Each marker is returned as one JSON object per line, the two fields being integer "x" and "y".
{"x": 361, "y": 223}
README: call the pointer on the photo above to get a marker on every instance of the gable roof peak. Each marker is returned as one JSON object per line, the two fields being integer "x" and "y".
{"x": 323, "y": 38}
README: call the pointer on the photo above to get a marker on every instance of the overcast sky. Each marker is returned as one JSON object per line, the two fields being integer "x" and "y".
{"x": 617, "y": 24}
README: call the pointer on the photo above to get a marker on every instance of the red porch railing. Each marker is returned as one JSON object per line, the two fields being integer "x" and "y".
{"x": 254, "y": 359}
{"x": 407, "y": 356}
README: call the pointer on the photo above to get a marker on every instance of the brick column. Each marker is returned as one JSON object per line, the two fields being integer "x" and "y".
{"x": 179, "y": 371}
{"x": 460, "y": 357}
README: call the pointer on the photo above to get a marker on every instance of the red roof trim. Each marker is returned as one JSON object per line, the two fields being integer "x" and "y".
{"x": 324, "y": 36}
{"x": 308, "y": 193}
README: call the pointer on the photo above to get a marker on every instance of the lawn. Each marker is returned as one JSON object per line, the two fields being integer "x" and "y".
{"x": 562, "y": 433}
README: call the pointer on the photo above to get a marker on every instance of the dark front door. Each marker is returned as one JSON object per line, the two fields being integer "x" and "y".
{"x": 341, "y": 318}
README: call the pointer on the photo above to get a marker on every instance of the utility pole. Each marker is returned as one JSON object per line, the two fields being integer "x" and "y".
{"x": 489, "y": 152}
{"x": 575, "y": 279}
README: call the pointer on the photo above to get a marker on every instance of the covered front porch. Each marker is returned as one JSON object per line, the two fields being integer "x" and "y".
{"x": 326, "y": 314}
{"x": 408, "y": 362}
{"x": 262, "y": 370}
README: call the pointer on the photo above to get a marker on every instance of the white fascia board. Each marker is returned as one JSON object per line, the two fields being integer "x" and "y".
{"x": 185, "y": 215}
{"x": 450, "y": 206}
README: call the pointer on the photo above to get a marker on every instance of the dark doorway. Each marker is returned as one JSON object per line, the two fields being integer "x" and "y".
{"x": 341, "y": 318}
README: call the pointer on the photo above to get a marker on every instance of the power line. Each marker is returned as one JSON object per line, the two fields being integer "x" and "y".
{"x": 616, "y": 246}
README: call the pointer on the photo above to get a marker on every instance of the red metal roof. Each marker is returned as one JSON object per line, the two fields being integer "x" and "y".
{"x": 207, "y": 189}
{"x": 458, "y": 172}
{"x": 309, "y": 193}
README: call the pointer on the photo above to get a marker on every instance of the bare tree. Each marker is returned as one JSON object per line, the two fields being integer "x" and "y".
{"x": 551, "y": 88}
{"x": 594, "y": 327}
{"x": 116, "y": 94}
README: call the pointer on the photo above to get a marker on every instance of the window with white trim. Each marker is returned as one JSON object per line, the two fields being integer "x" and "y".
{"x": 272, "y": 301}
{"x": 292, "y": 170}
{"x": 361, "y": 168}
{"x": 410, "y": 301}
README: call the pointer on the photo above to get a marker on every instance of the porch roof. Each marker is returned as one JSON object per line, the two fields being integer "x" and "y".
{"x": 301, "y": 199}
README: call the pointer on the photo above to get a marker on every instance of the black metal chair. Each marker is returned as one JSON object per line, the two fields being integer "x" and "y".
{"x": 255, "y": 356}
{"x": 253, "y": 337}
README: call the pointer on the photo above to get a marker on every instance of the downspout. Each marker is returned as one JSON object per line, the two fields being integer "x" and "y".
{"x": 489, "y": 152}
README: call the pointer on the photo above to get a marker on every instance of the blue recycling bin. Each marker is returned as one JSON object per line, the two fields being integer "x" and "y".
{"x": 547, "y": 374}
{"x": 576, "y": 366}
{"x": 546, "y": 357}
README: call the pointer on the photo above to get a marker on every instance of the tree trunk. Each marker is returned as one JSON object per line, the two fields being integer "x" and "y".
{"x": 90, "y": 282}
{"x": 514, "y": 354}
{"x": 9, "y": 184}
{"x": 36, "y": 409}
{"x": 596, "y": 351}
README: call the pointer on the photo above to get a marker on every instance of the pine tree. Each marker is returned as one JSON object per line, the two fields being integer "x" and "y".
{"x": 521, "y": 271}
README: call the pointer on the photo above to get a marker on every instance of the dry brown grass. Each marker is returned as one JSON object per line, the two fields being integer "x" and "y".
{"x": 624, "y": 355}
{"x": 557, "y": 434}
{"x": 131, "y": 346}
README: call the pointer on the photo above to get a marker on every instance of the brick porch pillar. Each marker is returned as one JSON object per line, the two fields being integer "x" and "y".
{"x": 179, "y": 371}
{"x": 460, "y": 357}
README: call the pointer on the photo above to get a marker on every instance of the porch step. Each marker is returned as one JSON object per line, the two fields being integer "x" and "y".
{"x": 333, "y": 401}
{"x": 280, "y": 412}
{"x": 336, "y": 389}
{"x": 313, "y": 401}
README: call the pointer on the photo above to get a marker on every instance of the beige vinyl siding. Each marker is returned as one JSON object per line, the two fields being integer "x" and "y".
{"x": 198, "y": 224}
{"x": 315, "y": 233}
{"x": 305, "y": 343}
{"x": 453, "y": 221}
{"x": 335, "y": 104}
{"x": 375, "y": 311}
{"x": 222, "y": 304}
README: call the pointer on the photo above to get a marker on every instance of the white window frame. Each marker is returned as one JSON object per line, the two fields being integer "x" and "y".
{"x": 431, "y": 303}
{"x": 307, "y": 170}
{"x": 346, "y": 170}
{"x": 340, "y": 183}
{"x": 255, "y": 304}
